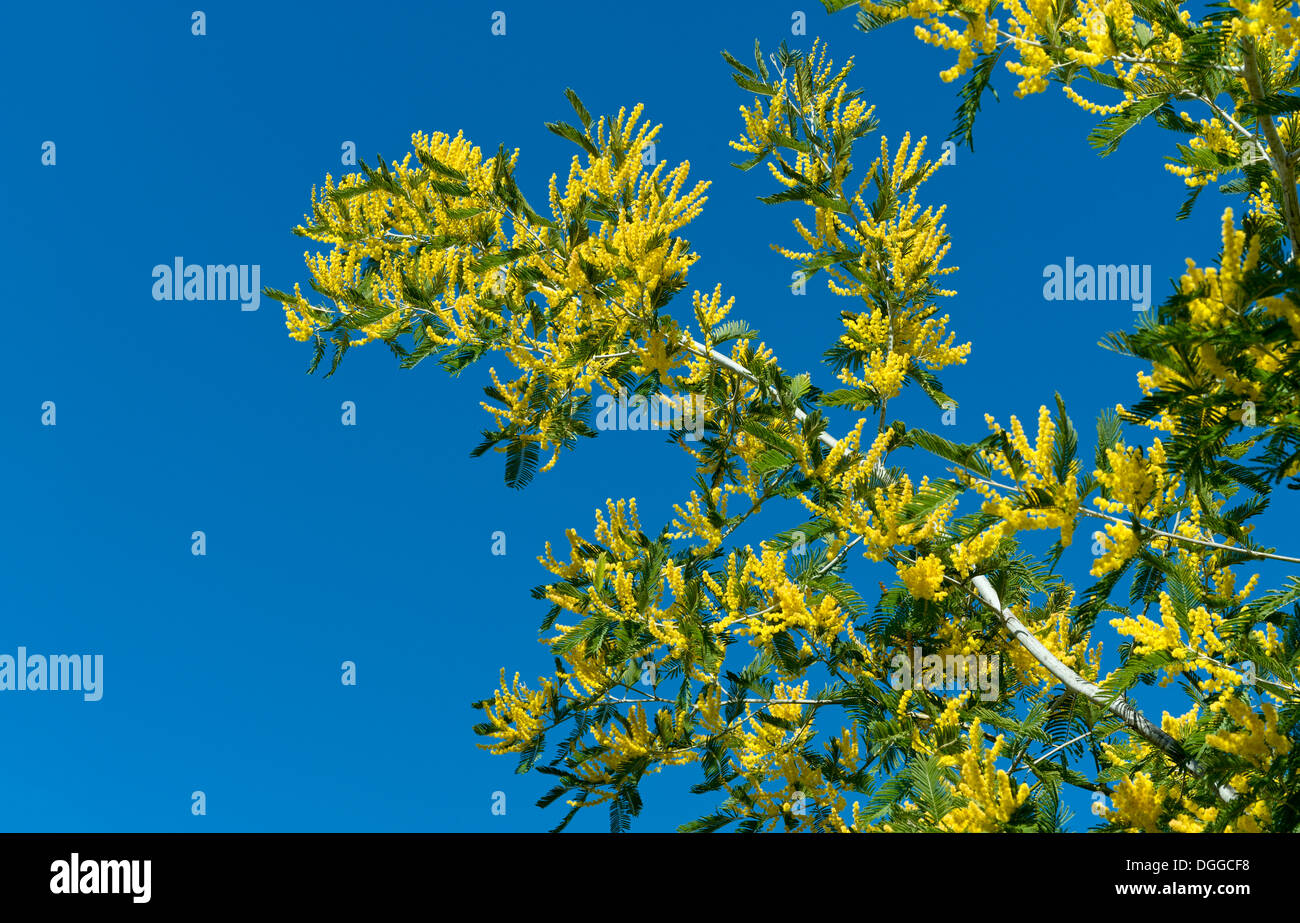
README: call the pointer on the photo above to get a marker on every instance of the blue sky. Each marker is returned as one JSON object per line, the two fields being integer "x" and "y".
{"x": 371, "y": 543}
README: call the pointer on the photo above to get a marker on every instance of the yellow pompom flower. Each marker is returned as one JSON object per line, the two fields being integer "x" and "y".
{"x": 990, "y": 800}
{"x": 924, "y": 578}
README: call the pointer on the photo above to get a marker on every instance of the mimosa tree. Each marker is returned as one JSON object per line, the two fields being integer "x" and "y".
{"x": 807, "y": 702}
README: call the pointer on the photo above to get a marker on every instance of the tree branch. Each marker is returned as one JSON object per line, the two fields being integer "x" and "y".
{"x": 1278, "y": 154}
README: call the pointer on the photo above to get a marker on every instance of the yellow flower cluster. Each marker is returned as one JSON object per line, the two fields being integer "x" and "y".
{"x": 772, "y": 763}
{"x": 786, "y": 605}
{"x": 622, "y": 525}
{"x": 1044, "y": 39}
{"x": 907, "y": 246}
{"x": 637, "y": 740}
{"x": 924, "y": 579}
{"x": 301, "y": 326}
{"x": 657, "y": 355}
{"x": 1218, "y": 294}
{"x": 1138, "y": 805}
{"x": 615, "y": 591}
{"x": 904, "y": 247}
{"x": 876, "y": 515}
{"x": 1119, "y": 543}
{"x": 1135, "y": 484}
{"x": 990, "y": 800}
{"x": 1259, "y": 742}
{"x": 1219, "y": 301}
{"x": 980, "y": 34}
{"x": 890, "y": 342}
{"x": 372, "y": 233}
{"x": 1032, "y": 467}
{"x": 424, "y": 250}
{"x": 1027, "y": 22}
{"x": 824, "y": 101}
{"x": 695, "y": 521}
{"x": 1269, "y": 21}
{"x": 1052, "y": 628}
{"x": 1214, "y": 136}
{"x": 1177, "y": 727}
{"x": 760, "y": 126}
{"x": 1195, "y": 653}
{"x": 1090, "y": 24}
{"x": 1088, "y": 38}
{"x": 1087, "y": 105}
{"x": 700, "y": 370}
{"x": 1255, "y": 819}
{"x": 1193, "y": 819}
{"x": 638, "y": 249}
{"x": 516, "y": 714}
{"x": 881, "y": 519}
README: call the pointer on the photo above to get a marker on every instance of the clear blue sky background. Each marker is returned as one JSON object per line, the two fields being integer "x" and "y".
{"x": 372, "y": 543}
